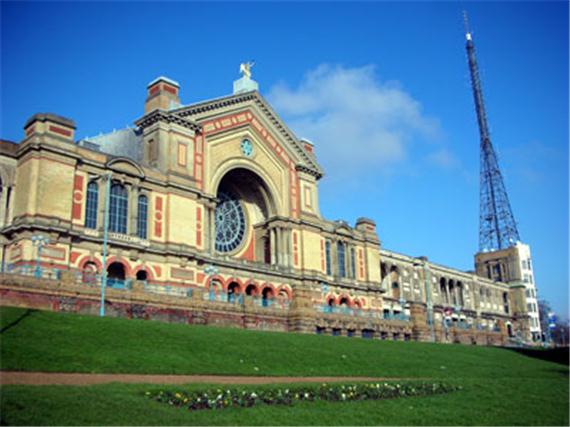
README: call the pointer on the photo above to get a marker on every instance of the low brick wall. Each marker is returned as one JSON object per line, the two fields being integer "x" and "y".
{"x": 67, "y": 296}
{"x": 47, "y": 294}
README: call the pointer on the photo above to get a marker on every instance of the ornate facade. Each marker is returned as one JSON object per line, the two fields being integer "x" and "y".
{"x": 210, "y": 214}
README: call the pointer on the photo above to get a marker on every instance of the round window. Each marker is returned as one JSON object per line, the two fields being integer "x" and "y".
{"x": 246, "y": 147}
{"x": 230, "y": 222}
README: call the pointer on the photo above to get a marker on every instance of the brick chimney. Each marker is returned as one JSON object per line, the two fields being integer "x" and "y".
{"x": 42, "y": 126}
{"x": 162, "y": 93}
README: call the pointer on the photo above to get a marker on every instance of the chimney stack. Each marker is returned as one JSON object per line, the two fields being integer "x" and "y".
{"x": 162, "y": 93}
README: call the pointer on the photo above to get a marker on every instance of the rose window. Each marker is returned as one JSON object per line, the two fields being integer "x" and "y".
{"x": 230, "y": 222}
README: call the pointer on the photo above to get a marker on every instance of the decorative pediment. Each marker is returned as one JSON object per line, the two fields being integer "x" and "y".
{"x": 341, "y": 227}
{"x": 125, "y": 165}
{"x": 204, "y": 112}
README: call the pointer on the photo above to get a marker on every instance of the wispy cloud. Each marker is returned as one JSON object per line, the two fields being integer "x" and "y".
{"x": 444, "y": 158}
{"x": 357, "y": 122}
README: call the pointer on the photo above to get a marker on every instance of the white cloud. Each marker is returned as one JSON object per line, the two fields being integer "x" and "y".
{"x": 444, "y": 158}
{"x": 358, "y": 123}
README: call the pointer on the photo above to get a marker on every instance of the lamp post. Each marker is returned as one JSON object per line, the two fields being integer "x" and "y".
{"x": 107, "y": 179}
{"x": 39, "y": 241}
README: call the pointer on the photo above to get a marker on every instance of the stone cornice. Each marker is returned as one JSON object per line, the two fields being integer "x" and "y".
{"x": 168, "y": 117}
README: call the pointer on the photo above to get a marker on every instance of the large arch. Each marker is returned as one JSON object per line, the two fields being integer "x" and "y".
{"x": 245, "y": 204}
{"x": 272, "y": 189}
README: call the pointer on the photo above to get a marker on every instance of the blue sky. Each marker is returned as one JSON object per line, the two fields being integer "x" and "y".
{"x": 381, "y": 88}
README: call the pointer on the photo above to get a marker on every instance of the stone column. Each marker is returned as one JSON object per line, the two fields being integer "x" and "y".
{"x": 3, "y": 207}
{"x": 133, "y": 209}
{"x": 280, "y": 257}
{"x": 273, "y": 246}
{"x": 287, "y": 247}
{"x": 211, "y": 219}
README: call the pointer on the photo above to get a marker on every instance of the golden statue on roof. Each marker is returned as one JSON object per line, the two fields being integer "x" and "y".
{"x": 245, "y": 68}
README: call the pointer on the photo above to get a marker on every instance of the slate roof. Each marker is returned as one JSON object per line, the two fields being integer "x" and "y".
{"x": 123, "y": 142}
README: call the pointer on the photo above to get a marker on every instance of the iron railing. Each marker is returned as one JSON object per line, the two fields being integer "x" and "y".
{"x": 358, "y": 312}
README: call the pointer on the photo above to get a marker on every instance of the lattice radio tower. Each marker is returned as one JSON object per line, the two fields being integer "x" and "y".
{"x": 497, "y": 226}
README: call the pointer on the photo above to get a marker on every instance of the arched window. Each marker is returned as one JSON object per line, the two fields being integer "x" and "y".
{"x": 142, "y": 216}
{"x": 341, "y": 259}
{"x": 395, "y": 290}
{"x": 119, "y": 207}
{"x": 460, "y": 294}
{"x": 443, "y": 291}
{"x": 328, "y": 257}
{"x": 91, "y": 205}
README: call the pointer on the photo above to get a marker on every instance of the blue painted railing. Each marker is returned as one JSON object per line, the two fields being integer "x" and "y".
{"x": 94, "y": 280}
{"x": 396, "y": 316}
{"x": 357, "y": 312}
{"x": 239, "y": 299}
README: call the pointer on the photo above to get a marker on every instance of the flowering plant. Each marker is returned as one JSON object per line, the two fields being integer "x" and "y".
{"x": 231, "y": 397}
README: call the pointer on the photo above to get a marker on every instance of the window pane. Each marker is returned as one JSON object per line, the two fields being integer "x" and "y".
{"x": 118, "y": 209}
{"x": 341, "y": 260}
{"x": 328, "y": 257}
{"x": 142, "y": 217}
{"x": 91, "y": 205}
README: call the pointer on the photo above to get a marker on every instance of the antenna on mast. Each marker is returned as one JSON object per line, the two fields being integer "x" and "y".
{"x": 497, "y": 225}
{"x": 466, "y": 24}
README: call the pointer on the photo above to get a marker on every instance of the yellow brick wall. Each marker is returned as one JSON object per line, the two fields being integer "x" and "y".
{"x": 55, "y": 189}
{"x": 182, "y": 220}
{"x": 27, "y": 185}
{"x": 311, "y": 243}
{"x": 373, "y": 264}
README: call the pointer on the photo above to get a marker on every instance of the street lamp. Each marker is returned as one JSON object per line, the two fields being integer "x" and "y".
{"x": 107, "y": 179}
{"x": 39, "y": 241}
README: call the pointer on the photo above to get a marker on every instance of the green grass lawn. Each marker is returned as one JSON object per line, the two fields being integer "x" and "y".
{"x": 500, "y": 386}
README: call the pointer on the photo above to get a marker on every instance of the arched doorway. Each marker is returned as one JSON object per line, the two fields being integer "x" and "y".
{"x": 251, "y": 290}
{"x": 244, "y": 205}
{"x": 142, "y": 275}
{"x": 267, "y": 296}
{"x": 233, "y": 292}
{"x": 215, "y": 289}
{"x": 89, "y": 273}
{"x": 116, "y": 275}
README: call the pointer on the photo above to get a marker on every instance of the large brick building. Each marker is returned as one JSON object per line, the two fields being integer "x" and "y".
{"x": 213, "y": 218}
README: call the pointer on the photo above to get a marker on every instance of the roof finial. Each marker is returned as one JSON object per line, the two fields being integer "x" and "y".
{"x": 466, "y": 23}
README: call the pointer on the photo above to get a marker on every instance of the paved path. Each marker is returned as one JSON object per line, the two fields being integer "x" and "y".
{"x": 49, "y": 378}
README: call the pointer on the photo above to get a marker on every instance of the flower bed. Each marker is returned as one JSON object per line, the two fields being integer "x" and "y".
{"x": 231, "y": 397}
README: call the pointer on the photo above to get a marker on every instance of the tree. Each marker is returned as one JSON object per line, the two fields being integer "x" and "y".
{"x": 551, "y": 324}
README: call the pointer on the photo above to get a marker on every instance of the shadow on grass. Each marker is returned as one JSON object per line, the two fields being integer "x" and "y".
{"x": 556, "y": 355}
{"x": 13, "y": 324}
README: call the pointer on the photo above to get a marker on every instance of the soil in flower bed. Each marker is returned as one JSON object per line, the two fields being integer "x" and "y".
{"x": 232, "y": 397}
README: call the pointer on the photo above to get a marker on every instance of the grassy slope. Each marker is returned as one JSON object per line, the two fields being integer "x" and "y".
{"x": 501, "y": 387}
{"x": 45, "y": 341}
